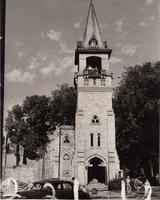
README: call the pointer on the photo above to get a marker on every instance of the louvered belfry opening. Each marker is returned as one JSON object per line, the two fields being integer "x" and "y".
{"x": 93, "y": 63}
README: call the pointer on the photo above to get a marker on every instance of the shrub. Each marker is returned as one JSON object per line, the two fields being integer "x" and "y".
{"x": 132, "y": 183}
{"x": 115, "y": 184}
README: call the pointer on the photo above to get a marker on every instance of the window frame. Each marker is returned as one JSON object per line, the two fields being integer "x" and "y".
{"x": 98, "y": 139}
{"x": 91, "y": 140}
{"x": 66, "y": 137}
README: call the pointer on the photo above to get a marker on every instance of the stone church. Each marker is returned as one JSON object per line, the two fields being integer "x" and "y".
{"x": 87, "y": 151}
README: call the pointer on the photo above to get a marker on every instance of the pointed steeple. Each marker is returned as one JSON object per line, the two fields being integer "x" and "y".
{"x": 92, "y": 29}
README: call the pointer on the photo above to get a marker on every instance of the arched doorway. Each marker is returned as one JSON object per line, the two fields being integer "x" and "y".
{"x": 96, "y": 170}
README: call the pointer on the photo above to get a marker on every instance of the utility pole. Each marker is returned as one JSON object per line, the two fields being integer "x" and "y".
{"x": 5, "y": 152}
{"x": 159, "y": 138}
{"x": 43, "y": 162}
{"x": 2, "y": 66}
{"x": 59, "y": 163}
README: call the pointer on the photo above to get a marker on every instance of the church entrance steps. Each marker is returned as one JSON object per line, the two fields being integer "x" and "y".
{"x": 112, "y": 195}
{"x": 94, "y": 187}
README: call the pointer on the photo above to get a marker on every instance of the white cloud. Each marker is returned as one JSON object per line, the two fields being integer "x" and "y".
{"x": 8, "y": 67}
{"x": 47, "y": 71}
{"x": 17, "y": 42}
{"x": 63, "y": 46}
{"x": 57, "y": 69}
{"x": 118, "y": 25}
{"x": 16, "y": 75}
{"x": 151, "y": 18}
{"x": 42, "y": 35}
{"x": 143, "y": 23}
{"x": 20, "y": 54}
{"x": 65, "y": 63}
{"x": 104, "y": 27}
{"x": 147, "y": 21}
{"x": 143, "y": 9}
{"x": 54, "y": 35}
{"x": 34, "y": 64}
{"x": 77, "y": 25}
{"x": 43, "y": 56}
{"x": 119, "y": 45}
{"x": 129, "y": 49}
{"x": 148, "y": 2}
{"x": 74, "y": 69}
{"x": 115, "y": 60}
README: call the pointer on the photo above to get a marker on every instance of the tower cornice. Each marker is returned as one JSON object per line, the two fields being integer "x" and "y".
{"x": 90, "y": 51}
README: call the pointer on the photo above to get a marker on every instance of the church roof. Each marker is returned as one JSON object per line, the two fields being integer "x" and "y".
{"x": 92, "y": 28}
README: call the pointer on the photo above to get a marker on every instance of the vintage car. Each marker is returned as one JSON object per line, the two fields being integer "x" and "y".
{"x": 63, "y": 190}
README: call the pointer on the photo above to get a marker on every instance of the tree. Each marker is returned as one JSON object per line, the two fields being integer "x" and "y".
{"x": 64, "y": 101}
{"x": 15, "y": 127}
{"x": 136, "y": 111}
{"x": 30, "y": 125}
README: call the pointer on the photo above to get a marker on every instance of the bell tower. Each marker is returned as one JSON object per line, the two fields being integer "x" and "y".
{"x": 95, "y": 149}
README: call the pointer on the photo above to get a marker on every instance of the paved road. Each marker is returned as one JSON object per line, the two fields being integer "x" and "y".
{"x": 153, "y": 198}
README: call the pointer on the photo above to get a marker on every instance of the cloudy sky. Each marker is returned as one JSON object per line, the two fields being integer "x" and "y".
{"x": 41, "y": 38}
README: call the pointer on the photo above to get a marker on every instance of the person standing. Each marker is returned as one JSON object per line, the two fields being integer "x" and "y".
{"x": 75, "y": 188}
{"x": 147, "y": 190}
{"x": 123, "y": 192}
{"x": 128, "y": 185}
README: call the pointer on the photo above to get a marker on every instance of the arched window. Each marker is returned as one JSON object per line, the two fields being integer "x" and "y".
{"x": 66, "y": 139}
{"x": 91, "y": 139}
{"x": 95, "y": 119}
{"x": 66, "y": 157}
{"x": 99, "y": 139}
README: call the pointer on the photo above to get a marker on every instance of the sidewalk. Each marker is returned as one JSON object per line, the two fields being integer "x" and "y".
{"x": 112, "y": 195}
{"x": 117, "y": 194}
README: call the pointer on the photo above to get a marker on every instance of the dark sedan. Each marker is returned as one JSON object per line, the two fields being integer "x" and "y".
{"x": 63, "y": 190}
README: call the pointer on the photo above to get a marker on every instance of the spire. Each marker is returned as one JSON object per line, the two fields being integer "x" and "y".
{"x": 92, "y": 29}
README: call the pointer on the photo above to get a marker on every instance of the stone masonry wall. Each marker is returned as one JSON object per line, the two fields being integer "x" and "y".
{"x": 24, "y": 173}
